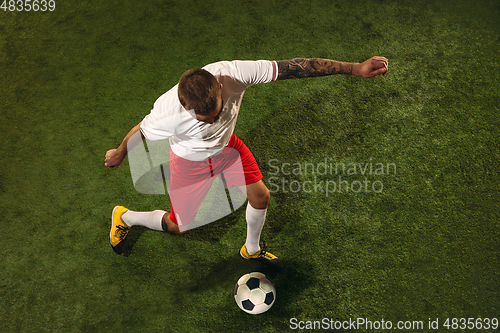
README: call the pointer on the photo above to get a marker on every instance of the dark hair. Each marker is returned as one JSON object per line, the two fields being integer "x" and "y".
{"x": 198, "y": 90}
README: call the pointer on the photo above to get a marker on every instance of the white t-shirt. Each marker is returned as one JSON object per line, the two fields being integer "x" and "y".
{"x": 195, "y": 140}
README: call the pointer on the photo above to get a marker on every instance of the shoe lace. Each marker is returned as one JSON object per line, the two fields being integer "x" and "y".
{"x": 122, "y": 231}
{"x": 263, "y": 252}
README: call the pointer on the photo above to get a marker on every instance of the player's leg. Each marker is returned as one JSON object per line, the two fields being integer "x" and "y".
{"x": 189, "y": 183}
{"x": 158, "y": 220}
{"x": 240, "y": 168}
{"x": 258, "y": 199}
{"x": 122, "y": 219}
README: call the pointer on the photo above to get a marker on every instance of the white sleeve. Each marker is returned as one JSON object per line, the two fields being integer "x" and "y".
{"x": 247, "y": 72}
{"x": 256, "y": 72}
{"x": 160, "y": 123}
{"x": 155, "y": 129}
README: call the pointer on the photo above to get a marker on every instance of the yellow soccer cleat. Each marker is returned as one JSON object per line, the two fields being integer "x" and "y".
{"x": 268, "y": 259}
{"x": 119, "y": 229}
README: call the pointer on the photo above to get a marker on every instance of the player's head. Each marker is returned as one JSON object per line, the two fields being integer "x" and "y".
{"x": 200, "y": 91}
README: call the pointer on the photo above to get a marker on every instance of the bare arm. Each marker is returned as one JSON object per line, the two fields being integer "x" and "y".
{"x": 301, "y": 67}
{"x": 114, "y": 157}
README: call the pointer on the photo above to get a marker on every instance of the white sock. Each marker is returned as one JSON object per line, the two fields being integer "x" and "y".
{"x": 151, "y": 220}
{"x": 255, "y": 222}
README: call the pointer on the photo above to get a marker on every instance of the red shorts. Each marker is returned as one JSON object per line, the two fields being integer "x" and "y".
{"x": 190, "y": 181}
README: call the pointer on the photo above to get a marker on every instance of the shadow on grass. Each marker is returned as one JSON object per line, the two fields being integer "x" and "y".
{"x": 218, "y": 281}
{"x": 297, "y": 276}
{"x": 214, "y": 231}
{"x": 133, "y": 236}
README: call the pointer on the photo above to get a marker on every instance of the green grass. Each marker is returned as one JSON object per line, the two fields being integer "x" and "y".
{"x": 75, "y": 80}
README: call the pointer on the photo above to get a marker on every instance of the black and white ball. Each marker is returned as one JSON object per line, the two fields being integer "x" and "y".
{"x": 254, "y": 293}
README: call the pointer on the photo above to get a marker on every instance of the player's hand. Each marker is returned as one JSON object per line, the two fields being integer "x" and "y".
{"x": 373, "y": 67}
{"x": 113, "y": 158}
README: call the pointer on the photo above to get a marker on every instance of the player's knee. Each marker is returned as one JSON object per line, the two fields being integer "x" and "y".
{"x": 266, "y": 197}
{"x": 261, "y": 201}
{"x": 169, "y": 226}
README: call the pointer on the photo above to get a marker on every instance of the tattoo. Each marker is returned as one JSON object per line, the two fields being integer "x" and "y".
{"x": 300, "y": 67}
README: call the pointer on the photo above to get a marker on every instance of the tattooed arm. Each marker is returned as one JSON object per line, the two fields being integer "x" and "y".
{"x": 300, "y": 67}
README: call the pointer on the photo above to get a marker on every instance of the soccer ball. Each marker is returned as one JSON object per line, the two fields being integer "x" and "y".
{"x": 254, "y": 293}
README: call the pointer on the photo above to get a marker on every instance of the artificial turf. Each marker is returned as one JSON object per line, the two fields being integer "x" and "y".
{"x": 75, "y": 80}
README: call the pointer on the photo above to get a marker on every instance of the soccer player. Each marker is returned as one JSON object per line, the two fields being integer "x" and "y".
{"x": 198, "y": 116}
